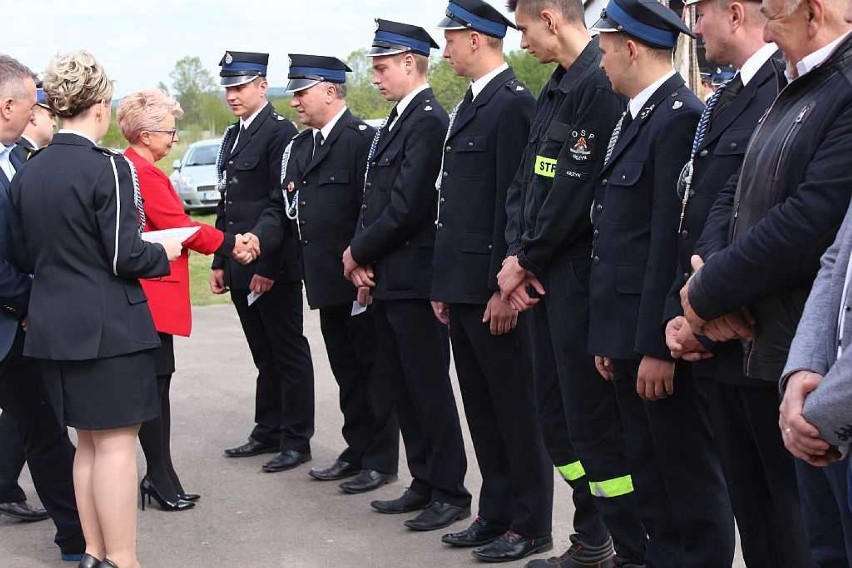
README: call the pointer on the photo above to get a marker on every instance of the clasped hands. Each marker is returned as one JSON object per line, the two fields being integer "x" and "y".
{"x": 360, "y": 276}
{"x": 735, "y": 325}
{"x": 246, "y": 248}
{"x": 801, "y": 438}
{"x": 513, "y": 280}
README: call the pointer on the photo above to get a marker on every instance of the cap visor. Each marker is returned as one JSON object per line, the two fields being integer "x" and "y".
{"x": 450, "y": 24}
{"x": 605, "y": 25}
{"x": 237, "y": 81}
{"x": 301, "y": 84}
{"x": 382, "y": 51}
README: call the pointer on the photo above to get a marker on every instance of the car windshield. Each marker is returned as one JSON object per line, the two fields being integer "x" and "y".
{"x": 202, "y": 156}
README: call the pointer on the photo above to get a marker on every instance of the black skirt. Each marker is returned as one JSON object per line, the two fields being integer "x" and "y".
{"x": 103, "y": 394}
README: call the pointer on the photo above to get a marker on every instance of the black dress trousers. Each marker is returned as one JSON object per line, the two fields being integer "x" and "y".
{"x": 11, "y": 460}
{"x": 495, "y": 380}
{"x": 284, "y": 403}
{"x": 415, "y": 347}
{"x": 369, "y": 420}
{"x": 49, "y": 452}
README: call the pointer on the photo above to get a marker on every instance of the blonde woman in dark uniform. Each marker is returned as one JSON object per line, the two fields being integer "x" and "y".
{"x": 77, "y": 232}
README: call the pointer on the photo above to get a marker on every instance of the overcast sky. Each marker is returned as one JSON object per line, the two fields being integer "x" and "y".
{"x": 139, "y": 41}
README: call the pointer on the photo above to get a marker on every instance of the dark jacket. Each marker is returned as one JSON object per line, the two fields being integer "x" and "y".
{"x": 636, "y": 210}
{"x": 252, "y": 172}
{"x": 77, "y": 230}
{"x": 763, "y": 242}
{"x": 557, "y": 180}
{"x": 481, "y": 156}
{"x": 718, "y": 159}
{"x": 327, "y": 189}
{"x": 396, "y": 230}
{"x": 14, "y": 284}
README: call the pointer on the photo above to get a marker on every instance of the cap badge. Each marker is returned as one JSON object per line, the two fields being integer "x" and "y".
{"x": 228, "y": 58}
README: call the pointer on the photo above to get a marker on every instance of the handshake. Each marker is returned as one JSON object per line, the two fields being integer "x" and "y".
{"x": 246, "y": 248}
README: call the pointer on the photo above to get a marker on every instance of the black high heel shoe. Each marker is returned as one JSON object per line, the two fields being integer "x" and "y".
{"x": 107, "y": 563}
{"x": 189, "y": 496}
{"x": 147, "y": 489}
{"x": 88, "y": 561}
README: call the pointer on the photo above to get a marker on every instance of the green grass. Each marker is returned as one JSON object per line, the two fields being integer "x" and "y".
{"x": 199, "y": 273}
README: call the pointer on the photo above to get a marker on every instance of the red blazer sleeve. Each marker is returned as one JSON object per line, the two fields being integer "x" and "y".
{"x": 164, "y": 210}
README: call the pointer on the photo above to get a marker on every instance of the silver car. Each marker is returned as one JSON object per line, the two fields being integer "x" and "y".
{"x": 194, "y": 175}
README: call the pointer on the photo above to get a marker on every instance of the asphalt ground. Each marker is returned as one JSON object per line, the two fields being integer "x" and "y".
{"x": 252, "y": 519}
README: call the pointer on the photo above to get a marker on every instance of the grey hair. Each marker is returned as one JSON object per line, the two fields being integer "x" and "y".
{"x": 13, "y": 75}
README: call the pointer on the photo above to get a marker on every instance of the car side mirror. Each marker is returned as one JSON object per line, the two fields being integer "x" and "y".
{"x": 176, "y": 165}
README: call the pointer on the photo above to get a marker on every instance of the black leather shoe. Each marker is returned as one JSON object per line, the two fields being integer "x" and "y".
{"x": 107, "y": 563}
{"x": 478, "y": 533}
{"x": 250, "y": 448}
{"x": 191, "y": 497}
{"x": 367, "y": 480}
{"x": 581, "y": 555}
{"x": 512, "y": 546}
{"x": 88, "y": 561}
{"x": 410, "y": 501}
{"x": 288, "y": 459}
{"x": 338, "y": 470}
{"x": 23, "y": 511}
{"x": 437, "y": 516}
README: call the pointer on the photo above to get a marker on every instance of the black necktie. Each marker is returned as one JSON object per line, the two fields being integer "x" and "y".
{"x": 318, "y": 140}
{"x": 730, "y": 90}
{"x": 391, "y": 117}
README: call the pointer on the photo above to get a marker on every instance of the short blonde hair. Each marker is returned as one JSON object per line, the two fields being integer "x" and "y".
{"x": 74, "y": 82}
{"x": 144, "y": 111}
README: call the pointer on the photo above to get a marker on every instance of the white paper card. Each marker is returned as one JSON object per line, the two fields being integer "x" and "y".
{"x": 253, "y": 297}
{"x": 358, "y": 309}
{"x": 179, "y": 234}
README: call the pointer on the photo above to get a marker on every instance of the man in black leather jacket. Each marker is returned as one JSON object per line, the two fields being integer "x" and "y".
{"x": 769, "y": 227}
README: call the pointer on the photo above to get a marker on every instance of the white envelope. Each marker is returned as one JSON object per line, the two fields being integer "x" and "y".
{"x": 179, "y": 233}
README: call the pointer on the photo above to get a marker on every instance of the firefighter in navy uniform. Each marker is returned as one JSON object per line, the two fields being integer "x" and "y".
{"x": 549, "y": 239}
{"x": 392, "y": 253}
{"x": 488, "y": 131}
{"x": 249, "y": 167}
{"x": 679, "y": 484}
{"x": 743, "y": 412}
{"x": 322, "y": 181}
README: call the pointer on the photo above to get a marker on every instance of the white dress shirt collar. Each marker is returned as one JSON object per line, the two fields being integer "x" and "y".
{"x": 638, "y": 102}
{"x": 245, "y": 123}
{"x": 76, "y": 133}
{"x": 326, "y": 130}
{"x": 756, "y": 61}
{"x": 406, "y": 100}
{"x": 31, "y": 141}
{"x": 477, "y": 86}
{"x": 813, "y": 60}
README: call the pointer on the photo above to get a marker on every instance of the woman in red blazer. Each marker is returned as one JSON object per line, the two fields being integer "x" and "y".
{"x": 147, "y": 121}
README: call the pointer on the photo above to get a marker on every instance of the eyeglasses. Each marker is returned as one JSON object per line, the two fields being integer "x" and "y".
{"x": 172, "y": 132}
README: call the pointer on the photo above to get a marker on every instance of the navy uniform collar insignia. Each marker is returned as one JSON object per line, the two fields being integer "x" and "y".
{"x": 646, "y": 111}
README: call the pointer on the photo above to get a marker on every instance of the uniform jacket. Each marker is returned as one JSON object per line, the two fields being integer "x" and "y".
{"x": 815, "y": 346}
{"x": 396, "y": 229}
{"x": 251, "y": 173}
{"x": 14, "y": 284}
{"x": 327, "y": 189}
{"x": 481, "y": 156}
{"x": 23, "y": 150}
{"x": 788, "y": 203}
{"x": 77, "y": 227}
{"x": 635, "y": 218}
{"x": 564, "y": 158}
{"x": 718, "y": 159}
{"x": 168, "y": 296}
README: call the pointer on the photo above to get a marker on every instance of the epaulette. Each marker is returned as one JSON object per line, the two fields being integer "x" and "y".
{"x": 677, "y": 104}
{"x": 107, "y": 151}
{"x": 427, "y": 105}
{"x": 358, "y": 125}
{"x": 277, "y": 116}
{"x": 515, "y": 86}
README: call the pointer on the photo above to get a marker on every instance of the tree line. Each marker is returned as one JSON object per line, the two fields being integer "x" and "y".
{"x": 206, "y": 113}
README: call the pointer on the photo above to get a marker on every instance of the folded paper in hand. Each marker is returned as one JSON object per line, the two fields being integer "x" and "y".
{"x": 177, "y": 234}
